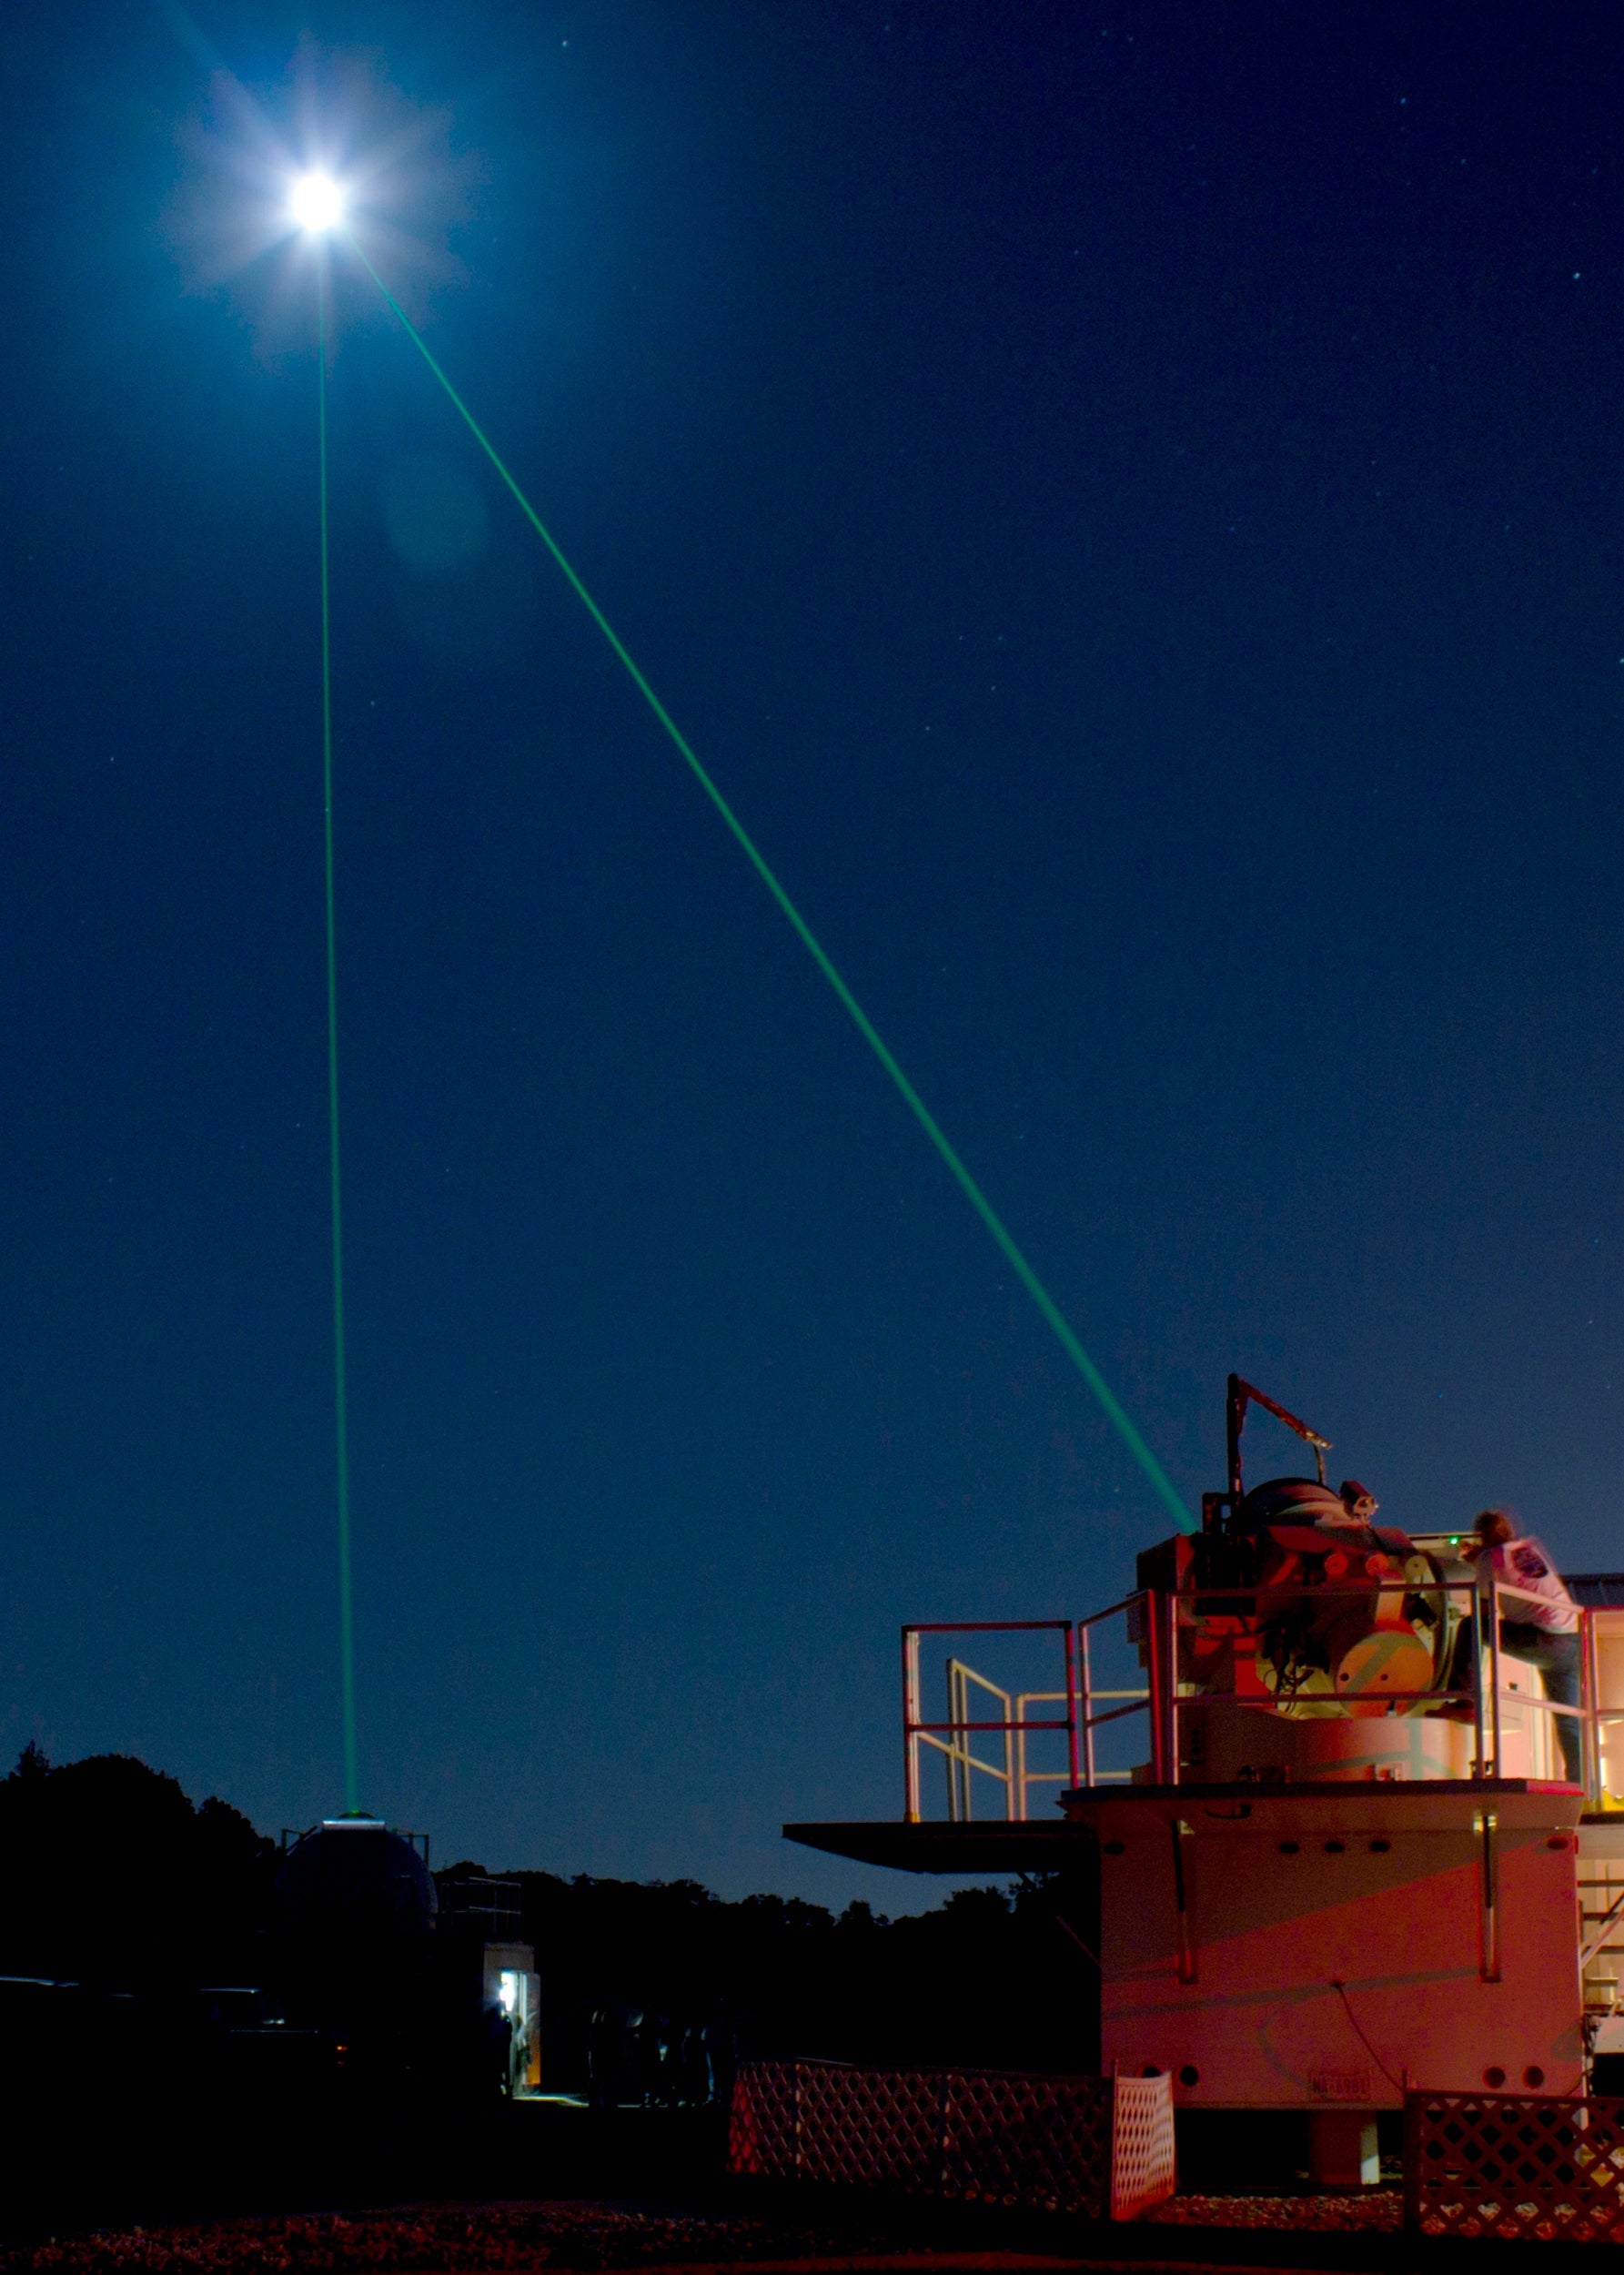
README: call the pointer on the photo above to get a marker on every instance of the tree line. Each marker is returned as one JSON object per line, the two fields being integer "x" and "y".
{"x": 114, "y": 1879}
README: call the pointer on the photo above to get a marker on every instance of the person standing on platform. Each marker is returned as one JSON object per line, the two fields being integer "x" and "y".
{"x": 1541, "y": 1620}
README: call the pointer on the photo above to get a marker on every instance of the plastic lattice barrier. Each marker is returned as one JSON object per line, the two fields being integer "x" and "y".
{"x": 1515, "y": 2165}
{"x": 881, "y": 2127}
{"x": 1143, "y": 2171}
{"x": 1097, "y": 2146}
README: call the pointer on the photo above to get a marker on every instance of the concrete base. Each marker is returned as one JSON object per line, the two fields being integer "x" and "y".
{"x": 1342, "y": 2152}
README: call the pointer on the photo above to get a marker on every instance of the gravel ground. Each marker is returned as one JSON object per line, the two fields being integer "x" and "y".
{"x": 1373, "y": 2210}
{"x": 469, "y": 2238}
{"x": 456, "y": 2240}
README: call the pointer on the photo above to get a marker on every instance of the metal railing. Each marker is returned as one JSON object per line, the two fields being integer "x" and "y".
{"x": 953, "y": 1738}
{"x": 1154, "y": 1619}
{"x": 1154, "y": 1622}
{"x": 1597, "y": 1716}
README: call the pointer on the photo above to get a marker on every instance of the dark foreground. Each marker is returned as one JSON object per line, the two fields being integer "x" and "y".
{"x": 127, "y": 2191}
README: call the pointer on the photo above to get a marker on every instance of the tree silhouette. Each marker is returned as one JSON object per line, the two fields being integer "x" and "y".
{"x": 113, "y": 1879}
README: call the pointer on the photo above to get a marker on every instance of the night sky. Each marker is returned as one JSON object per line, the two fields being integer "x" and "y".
{"x": 1127, "y": 503}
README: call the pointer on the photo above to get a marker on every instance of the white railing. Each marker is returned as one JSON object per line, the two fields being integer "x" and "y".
{"x": 1154, "y": 1621}
{"x": 954, "y": 1738}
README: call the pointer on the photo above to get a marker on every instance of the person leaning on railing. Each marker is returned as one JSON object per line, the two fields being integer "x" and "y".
{"x": 1546, "y": 1634}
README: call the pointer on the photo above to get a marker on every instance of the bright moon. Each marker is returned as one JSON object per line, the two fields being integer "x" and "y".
{"x": 316, "y": 202}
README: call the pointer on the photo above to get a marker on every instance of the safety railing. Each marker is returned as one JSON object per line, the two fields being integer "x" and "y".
{"x": 1155, "y": 1620}
{"x": 1597, "y": 1717}
{"x": 1588, "y": 1715}
{"x": 1121, "y": 1703}
{"x": 954, "y": 1737}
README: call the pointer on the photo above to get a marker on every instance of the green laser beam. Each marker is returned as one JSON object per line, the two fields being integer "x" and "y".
{"x": 971, "y": 1191}
{"x": 340, "y": 1398}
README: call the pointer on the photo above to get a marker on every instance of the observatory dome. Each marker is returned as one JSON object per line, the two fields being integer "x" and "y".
{"x": 350, "y": 1874}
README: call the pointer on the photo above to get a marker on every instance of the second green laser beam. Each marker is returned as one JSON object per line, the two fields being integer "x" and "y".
{"x": 340, "y": 1399}
{"x": 971, "y": 1191}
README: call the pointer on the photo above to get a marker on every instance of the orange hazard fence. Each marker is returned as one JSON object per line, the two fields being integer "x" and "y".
{"x": 1099, "y": 2147}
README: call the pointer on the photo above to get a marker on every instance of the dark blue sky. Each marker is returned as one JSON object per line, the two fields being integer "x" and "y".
{"x": 1127, "y": 503}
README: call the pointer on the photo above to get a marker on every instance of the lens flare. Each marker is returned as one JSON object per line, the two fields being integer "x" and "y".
{"x": 272, "y": 177}
{"x": 315, "y": 202}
